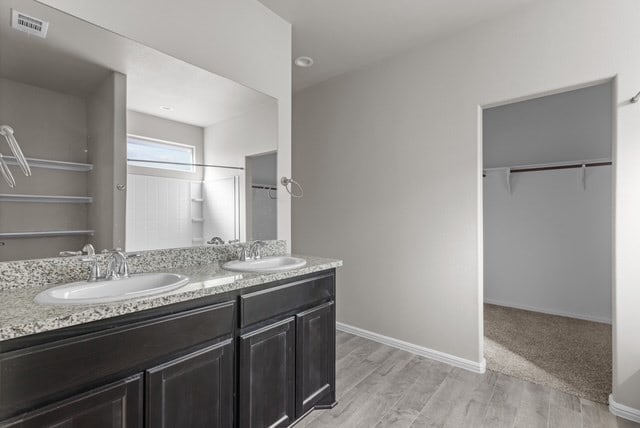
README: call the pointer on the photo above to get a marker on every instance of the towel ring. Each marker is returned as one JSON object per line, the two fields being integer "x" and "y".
{"x": 286, "y": 181}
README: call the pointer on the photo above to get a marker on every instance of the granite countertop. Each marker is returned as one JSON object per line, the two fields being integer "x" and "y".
{"x": 21, "y": 316}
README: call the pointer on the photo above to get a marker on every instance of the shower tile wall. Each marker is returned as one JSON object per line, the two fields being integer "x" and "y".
{"x": 159, "y": 213}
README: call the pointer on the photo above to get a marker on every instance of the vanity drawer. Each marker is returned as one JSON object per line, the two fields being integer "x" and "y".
{"x": 33, "y": 376}
{"x": 270, "y": 302}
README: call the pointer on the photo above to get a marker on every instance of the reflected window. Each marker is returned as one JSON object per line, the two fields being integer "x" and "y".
{"x": 150, "y": 153}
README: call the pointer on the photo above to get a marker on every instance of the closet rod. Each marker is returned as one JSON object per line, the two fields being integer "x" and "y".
{"x": 184, "y": 163}
{"x": 548, "y": 168}
{"x": 264, "y": 186}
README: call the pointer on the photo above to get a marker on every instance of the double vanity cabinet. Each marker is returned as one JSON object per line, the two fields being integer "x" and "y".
{"x": 261, "y": 356}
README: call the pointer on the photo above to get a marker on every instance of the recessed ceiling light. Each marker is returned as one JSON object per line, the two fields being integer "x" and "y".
{"x": 304, "y": 61}
{"x": 167, "y": 108}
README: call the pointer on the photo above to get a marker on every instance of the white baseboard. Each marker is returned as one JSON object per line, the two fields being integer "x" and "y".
{"x": 477, "y": 367}
{"x": 548, "y": 311}
{"x": 623, "y": 411}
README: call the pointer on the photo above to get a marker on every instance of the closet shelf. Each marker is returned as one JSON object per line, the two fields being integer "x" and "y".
{"x": 52, "y": 164}
{"x": 4, "y": 197}
{"x": 45, "y": 233}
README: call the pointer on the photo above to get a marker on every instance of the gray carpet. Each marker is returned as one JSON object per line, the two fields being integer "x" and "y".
{"x": 567, "y": 354}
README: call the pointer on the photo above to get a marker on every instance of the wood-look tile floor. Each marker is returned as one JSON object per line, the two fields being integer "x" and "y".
{"x": 380, "y": 386}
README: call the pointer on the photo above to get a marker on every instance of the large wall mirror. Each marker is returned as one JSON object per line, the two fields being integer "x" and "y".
{"x": 128, "y": 147}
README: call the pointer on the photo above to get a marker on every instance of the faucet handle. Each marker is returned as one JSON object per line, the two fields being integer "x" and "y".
{"x": 87, "y": 249}
{"x": 244, "y": 253}
{"x": 70, "y": 253}
{"x": 94, "y": 269}
{"x": 111, "y": 251}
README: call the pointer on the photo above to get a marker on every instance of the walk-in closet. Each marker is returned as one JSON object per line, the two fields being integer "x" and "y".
{"x": 548, "y": 239}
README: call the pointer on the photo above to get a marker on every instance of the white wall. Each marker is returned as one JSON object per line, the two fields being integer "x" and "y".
{"x": 547, "y": 244}
{"x": 243, "y": 41}
{"x": 390, "y": 157}
{"x": 228, "y": 142}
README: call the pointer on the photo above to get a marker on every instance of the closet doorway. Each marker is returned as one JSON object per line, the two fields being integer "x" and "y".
{"x": 262, "y": 196}
{"x": 548, "y": 215}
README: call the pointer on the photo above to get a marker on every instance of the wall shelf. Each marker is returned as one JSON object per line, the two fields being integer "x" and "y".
{"x": 5, "y": 197}
{"x": 197, "y": 220}
{"x": 197, "y": 200}
{"x": 47, "y": 233}
{"x": 52, "y": 164}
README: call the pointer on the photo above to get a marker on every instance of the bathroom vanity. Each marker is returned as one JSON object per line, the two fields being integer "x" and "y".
{"x": 226, "y": 350}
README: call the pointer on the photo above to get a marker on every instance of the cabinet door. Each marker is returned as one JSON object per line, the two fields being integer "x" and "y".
{"x": 315, "y": 358}
{"x": 192, "y": 391}
{"x": 267, "y": 371}
{"x": 113, "y": 406}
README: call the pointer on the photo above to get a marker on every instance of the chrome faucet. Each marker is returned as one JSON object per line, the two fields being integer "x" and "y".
{"x": 252, "y": 251}
{"x": 255, "y": 250}
{"x": 118, "y": 266}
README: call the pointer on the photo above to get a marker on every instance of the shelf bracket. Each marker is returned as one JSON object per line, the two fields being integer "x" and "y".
{"x": 583, "y": 176}
{"x": 507, "y": 174}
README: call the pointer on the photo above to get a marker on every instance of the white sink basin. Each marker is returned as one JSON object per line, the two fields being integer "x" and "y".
{"x": 83, "y": 292}
{"x": 266, "y": 264}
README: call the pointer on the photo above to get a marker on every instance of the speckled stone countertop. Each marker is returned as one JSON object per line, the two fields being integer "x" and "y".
{"x": 21, "y": 316}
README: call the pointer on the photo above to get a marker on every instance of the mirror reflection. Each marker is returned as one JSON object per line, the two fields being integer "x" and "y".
{"x": 128, "y": 147}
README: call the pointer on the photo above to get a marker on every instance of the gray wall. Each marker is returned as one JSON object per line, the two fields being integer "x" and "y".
{"x": 391, "y": 160}
{"x": 547, "y": 245}
{"x": 47, "y": 125}
{"x": 569, "y": 126}
{"x": 264, "y": 169}
{"x": 106, "y": 118}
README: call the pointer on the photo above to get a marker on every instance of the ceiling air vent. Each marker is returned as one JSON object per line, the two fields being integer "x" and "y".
{"x": 29, "y": 24}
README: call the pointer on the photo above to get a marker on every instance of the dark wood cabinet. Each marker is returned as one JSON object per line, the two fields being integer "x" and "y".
{"x": 315, "y": 358}
{"x": 267, "y": 376}
{"x": 194, "y": 391}
{"x": 261, "y": 357}
{"x": 117, "y": 405}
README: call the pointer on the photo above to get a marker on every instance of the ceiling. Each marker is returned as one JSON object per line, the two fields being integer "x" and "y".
{"x": 76, "y": 56}
{"x": 342, "y": 35}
